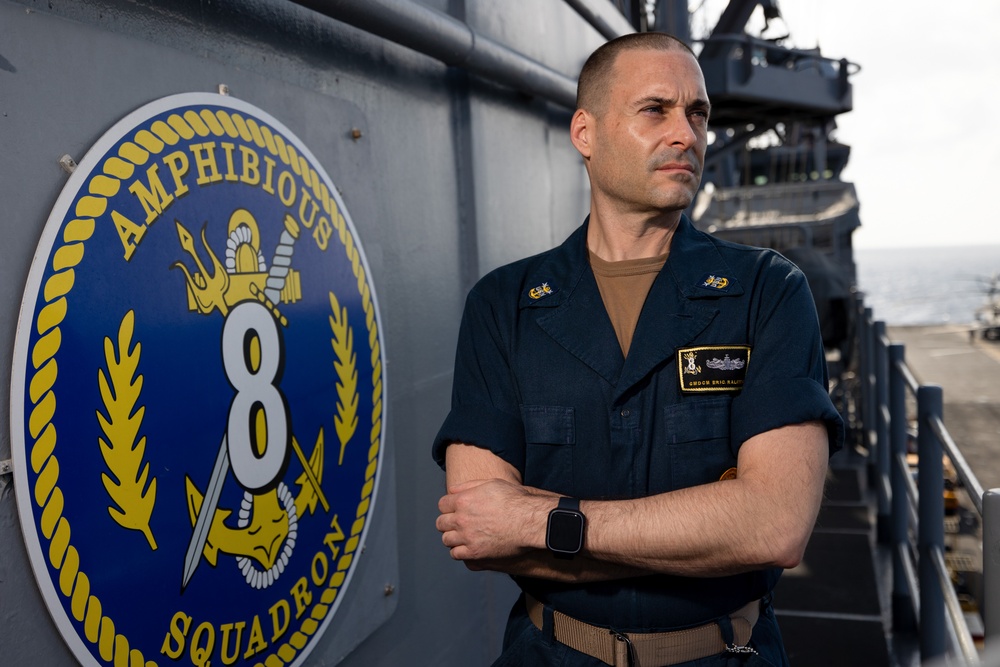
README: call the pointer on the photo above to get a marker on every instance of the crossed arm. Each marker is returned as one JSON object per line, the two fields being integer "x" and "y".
{"x": 761, "y": 519}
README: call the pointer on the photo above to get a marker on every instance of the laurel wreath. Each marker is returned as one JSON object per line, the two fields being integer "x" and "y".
{"x": 120, "y": 388}
{"x": 85, "y": 607}
{"x": 346, "y": 421}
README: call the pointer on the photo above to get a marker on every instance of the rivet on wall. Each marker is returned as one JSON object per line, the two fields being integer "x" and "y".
{"x": 68, "y": 164}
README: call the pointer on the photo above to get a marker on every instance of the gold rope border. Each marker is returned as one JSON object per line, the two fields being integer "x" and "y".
{"x": 74, "y": 584}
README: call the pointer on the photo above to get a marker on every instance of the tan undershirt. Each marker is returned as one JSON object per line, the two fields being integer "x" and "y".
{"x": 624, "y": 287}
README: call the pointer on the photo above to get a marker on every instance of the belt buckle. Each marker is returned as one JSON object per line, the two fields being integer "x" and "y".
{"x": 631, "y": 658}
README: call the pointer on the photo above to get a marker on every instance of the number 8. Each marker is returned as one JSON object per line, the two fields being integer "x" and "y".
{"x": 258, "y": 430}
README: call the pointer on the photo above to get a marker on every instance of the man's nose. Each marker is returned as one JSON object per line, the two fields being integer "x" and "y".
{"x": 678, "y": 130}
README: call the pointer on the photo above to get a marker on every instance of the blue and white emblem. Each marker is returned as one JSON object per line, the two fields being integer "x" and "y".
{"x": 197, "y": 393}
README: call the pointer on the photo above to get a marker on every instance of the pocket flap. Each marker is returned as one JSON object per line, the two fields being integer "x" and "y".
{"x": 701, "y": 419}
{"x": 549, "y": 424}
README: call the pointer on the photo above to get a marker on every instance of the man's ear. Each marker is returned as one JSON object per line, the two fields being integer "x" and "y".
{"x": 581, "y": 131}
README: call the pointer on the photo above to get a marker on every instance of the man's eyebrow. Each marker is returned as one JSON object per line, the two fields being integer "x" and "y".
{"x": 653, "y": 99}
{"x": 669, "y": 102}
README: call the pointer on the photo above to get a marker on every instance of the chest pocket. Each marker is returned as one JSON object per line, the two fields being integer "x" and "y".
{"x": 697, "y": 441}
{"x": 550, "y": 433}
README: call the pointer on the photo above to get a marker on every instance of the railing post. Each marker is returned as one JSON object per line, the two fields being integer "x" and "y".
{"x": 991, "y": 568}
{"x": 867, "y": 395}
{"x": 882, "y": 450}
{"x": 930, "y": 484}
{"x": 903, "y": 619}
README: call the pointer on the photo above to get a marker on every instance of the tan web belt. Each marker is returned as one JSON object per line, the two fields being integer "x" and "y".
{"x": 648, "y": 649}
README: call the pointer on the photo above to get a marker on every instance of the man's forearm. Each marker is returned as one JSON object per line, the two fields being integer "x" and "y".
{"x": 761, "y": 519}
{"x": 542, "y": 565}
{"x": 710, "y": 530}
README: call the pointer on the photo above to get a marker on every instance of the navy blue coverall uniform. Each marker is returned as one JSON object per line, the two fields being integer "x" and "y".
{"x": 727, "y": 346}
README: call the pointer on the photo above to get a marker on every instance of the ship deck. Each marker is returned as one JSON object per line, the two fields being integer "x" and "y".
{"x": 835, "y": 607}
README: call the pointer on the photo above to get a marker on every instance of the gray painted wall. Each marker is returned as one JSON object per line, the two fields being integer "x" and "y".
{"x": 451, "y": 177}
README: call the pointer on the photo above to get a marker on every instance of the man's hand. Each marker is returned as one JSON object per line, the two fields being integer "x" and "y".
{"x": 493, "y": 519}
{"x": 485, "y": 513}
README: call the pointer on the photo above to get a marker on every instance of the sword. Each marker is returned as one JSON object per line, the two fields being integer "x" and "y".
{"x": 208, "y": 506}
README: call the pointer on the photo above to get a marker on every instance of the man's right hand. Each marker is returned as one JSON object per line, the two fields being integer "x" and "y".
{"x": 490, "y": 519}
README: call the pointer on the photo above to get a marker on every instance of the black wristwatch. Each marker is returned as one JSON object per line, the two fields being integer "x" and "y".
{"x": 564, "y": 534}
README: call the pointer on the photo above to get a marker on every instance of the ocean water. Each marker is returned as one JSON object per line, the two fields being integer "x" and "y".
{"x": 927, "y": 285}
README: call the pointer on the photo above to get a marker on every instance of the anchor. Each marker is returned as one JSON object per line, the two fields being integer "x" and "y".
{"x": 262, "y": 539}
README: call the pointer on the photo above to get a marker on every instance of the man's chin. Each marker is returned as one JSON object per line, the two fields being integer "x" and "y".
{"x": 675, "y": 201}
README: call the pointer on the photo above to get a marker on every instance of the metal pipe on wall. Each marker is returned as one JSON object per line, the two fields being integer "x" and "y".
{"x": 451, "y": 41}
{"x": 603, "y": 16}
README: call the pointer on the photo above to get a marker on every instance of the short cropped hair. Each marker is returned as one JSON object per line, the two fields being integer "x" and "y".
{"x": 595, "y": 77}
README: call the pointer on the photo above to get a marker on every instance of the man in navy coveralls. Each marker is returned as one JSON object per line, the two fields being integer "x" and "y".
{"x": 640, "y": 424}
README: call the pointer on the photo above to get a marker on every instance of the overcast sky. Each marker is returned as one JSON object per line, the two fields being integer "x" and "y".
{"x": 925, "y": 129}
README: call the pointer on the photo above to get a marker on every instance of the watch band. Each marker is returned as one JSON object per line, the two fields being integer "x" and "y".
{"x": 572, "y": 504}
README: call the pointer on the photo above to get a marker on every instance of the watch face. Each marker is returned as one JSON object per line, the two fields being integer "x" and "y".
{"x": 565, "y": 534}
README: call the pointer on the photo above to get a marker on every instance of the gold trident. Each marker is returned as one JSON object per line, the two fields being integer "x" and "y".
{"x": 209, "y": 292}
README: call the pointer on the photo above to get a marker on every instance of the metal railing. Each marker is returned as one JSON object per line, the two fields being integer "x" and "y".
{"x": 911, "y": 515}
